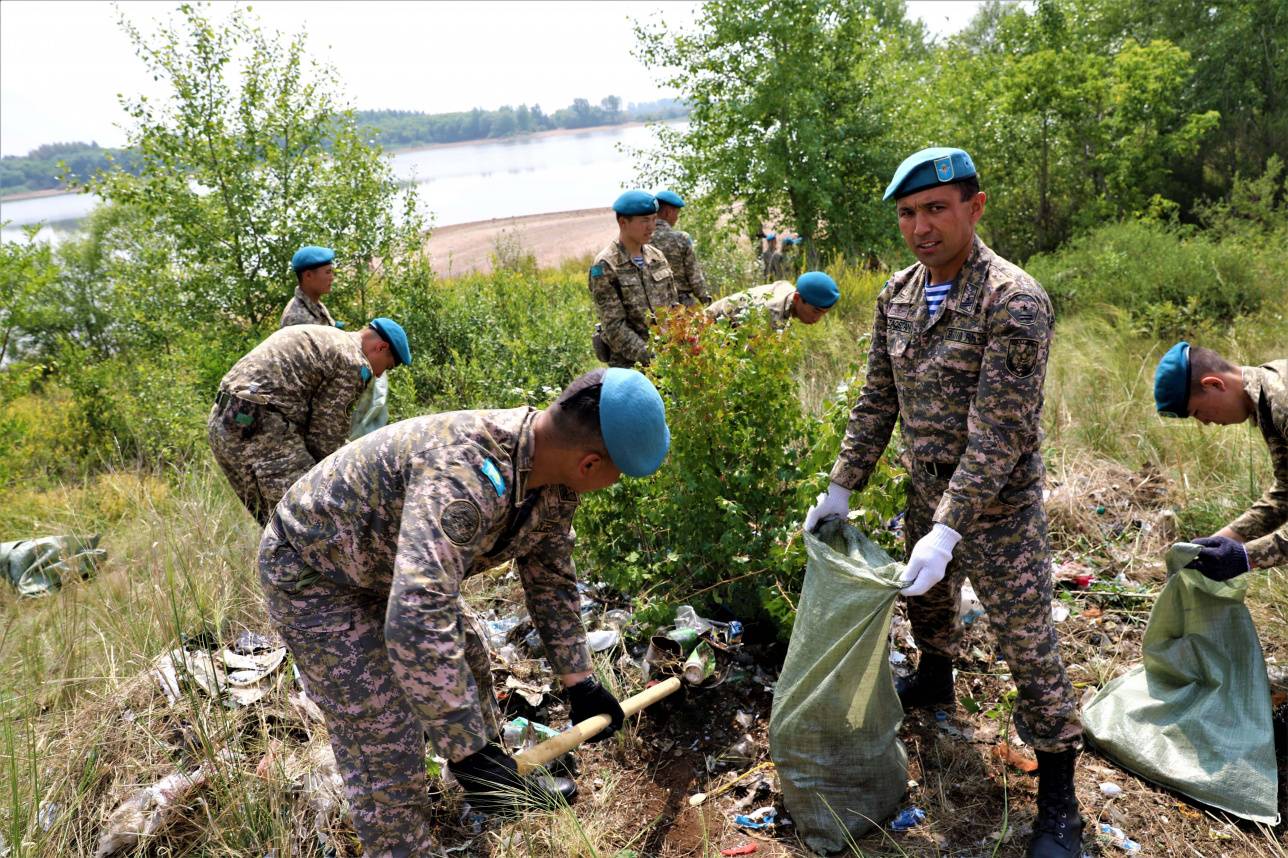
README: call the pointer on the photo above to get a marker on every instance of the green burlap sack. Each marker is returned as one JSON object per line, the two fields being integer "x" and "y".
{"x": 833, "y": 733}
{"x": 36, "y": 567}
{"x": 1195, "y": 716}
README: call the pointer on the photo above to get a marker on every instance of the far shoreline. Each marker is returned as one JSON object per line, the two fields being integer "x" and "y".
{"x": 406, "y": 150}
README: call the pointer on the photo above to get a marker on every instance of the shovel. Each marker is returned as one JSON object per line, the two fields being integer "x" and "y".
{"x": 551, "y": 749}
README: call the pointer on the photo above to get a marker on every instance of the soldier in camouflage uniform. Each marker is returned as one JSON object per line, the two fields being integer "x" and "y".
{"x": 958, "y": 357}
{"x": 771, "y": 260}
{"x": 1199, "y": 383}
{"x": 285, "y": 405}
{"x": 677, "y": 247}
{"x": 362, "y": 565}
{"x": 630, "y": 282}
{"x": 808, "y": 301}
{"x": 314, "y": 271}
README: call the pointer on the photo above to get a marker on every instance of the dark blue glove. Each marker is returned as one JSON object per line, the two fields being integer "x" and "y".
{"x": 587, "y": 699}
{"x": 1221, "y": 559}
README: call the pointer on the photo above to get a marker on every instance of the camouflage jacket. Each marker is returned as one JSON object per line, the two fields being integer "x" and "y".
{"x": 677, "y": 246}
{"x": 409, "y": 511}
{"x": 303, "y": 310}
{"x": 309, "y": 374}
{"x": 627, "y": 299}
{"x": 1265, "y": 525}
{"x": 774, "y": 297}
{"x": 965, "y": 386}
{"x": 772, "y": 265}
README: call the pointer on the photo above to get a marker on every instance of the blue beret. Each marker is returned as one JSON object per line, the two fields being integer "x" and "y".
{"x": 817, "y": 289}
{"x": 1172, "y": 382}
{"x": 671, "y": 198}
{"x": 635, "y": 203}
{"x": 392, "y": 333}
{"x": 632, "y": 420}
{"x": 311, "y": 256}
{"x": 928, "y": 168}
{"x": 770, "y": 236}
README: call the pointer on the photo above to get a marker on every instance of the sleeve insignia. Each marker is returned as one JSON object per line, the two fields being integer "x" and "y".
{"x": 493, "y": 475}
{"x": 460, "y": 521}
{"x": 597, "y": 270}
{"x": 1021, "y": 356}
{"x": 1023, "y": 309}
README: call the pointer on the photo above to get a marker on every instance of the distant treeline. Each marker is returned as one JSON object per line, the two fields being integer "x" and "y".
{"x": 55, "y": 164}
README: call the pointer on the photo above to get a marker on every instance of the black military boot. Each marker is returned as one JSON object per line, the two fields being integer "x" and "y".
{"x": 493, "y": 785}
{"x": 1057, "y": 831}
{"x": 930, "y": 685}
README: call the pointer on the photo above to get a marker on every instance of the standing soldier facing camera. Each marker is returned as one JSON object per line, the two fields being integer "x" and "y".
{"x": 958, "y": 356}
{"x": 314, "y": 269}
{"x": 630, "y": 283}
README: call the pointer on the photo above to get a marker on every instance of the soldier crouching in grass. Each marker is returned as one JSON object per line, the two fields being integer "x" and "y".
{"x": 958, "y": 356}
{"x": 285, "y": 406}
{"x": 362, "y": 565}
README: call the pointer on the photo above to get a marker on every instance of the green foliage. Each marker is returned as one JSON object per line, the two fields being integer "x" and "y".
{"x": 791, "y": 109}
{"x": 55, "y": 165}
{"x": 717, "y": 526}
{"x": 248, "y": 158}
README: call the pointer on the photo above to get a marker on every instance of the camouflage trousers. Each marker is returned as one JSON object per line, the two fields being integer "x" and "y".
{"x": 261, "y": 461}
{"x": 336, "y": 636}
{"x": 1008, "y": 560}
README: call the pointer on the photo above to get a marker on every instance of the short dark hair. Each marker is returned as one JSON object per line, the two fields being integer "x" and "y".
{"x": 575, "y": 413}
{"x": 1205, "y": 362}
{"x": 969, "y": 187}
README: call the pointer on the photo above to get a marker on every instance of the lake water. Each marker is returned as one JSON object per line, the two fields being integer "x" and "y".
{"x": 458, "y": 184}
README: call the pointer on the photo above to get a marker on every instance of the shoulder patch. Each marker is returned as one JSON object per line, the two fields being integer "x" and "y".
{"x": 365, "y": 374}
{"x": 597, "y": 270}
{"x": 1021, "y": 356}
{"x": 460, "y": 521}
{"x": 1023, "y": 309}
{"x": 493, "y": 475}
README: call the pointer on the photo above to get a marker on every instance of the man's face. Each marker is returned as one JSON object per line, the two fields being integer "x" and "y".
{"x": 637, "y": 229}
{"x": 1219, "y": 402}
{"x": 807, "y": 312}
{"x": 937, "y": 224}
{"x": 317, "y": 281}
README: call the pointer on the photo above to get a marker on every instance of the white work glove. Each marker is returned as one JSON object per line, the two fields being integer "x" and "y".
{"x": 929, "y": 559}
{"x": 834, "y": 504}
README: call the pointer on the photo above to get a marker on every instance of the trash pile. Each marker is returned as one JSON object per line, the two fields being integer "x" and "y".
{"x": 235, "y": 675}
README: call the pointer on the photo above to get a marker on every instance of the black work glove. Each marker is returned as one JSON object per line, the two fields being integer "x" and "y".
{"x": 493, "y": 785}
{"x": 588, "y": 698}
{"x": 1221, "y": 559}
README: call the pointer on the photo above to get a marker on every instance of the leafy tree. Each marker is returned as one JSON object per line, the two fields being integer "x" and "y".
{"x": 248, "y": 158}
{"x": 791, "y": 110}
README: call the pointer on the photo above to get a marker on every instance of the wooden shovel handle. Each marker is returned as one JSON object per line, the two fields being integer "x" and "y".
{"x": 555, "y": 747}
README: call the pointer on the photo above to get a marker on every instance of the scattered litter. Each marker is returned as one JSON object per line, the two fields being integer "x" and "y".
{"x": 519, "y": 732}
{"x": 617, "y": 619}
{"x": 1111, "y": 789}
{"x": 743, "y": 750}
{"x": 700, "y": 665}
{"x": 307, "y": 707}
{"x": 761, "y": 817}
{"x": 941, "y": 715}
{"x": 236, "y": 678}
{"x": 744, "y": 719}
{"x": 47, "y": 815}
{"x": 498, "y": 631}
{"x": 698, "y": 798}
{"x": 1073, "y": 574}
{"x": 1115, "y": 836}
{"x": 908, "y": 818}
{"x": 744, "y": 849}
{"x": 687, "y": 618}
{"x": 533, "y": 693}
{"x": 969, "y": 607}
{"x": 251, "y": 643}
{"x": 1091, "y": 612}
{"x": 1015, "y": 757}
{"x": 602, "y": 640}
{"x": 148, "y": 811}
{"x": 1059, "y": 612}
{"x": 897, "y": 657}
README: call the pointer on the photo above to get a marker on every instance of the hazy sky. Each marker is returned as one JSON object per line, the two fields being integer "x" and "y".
{"x": 63, "y": 63}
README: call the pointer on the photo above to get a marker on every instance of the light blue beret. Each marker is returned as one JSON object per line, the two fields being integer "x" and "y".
{"x": 632, "y": 420}
{"x": 770, "y": 236}
{"x": 937, "y": 165}
{"x": 635, "y": 203}
{"x": 311, "y": 256}
{"x": 1172, "y": 382}
{"x": 392, "y": 333}
{"x": 817, "y": 289}
{"x": 671, "y": 198}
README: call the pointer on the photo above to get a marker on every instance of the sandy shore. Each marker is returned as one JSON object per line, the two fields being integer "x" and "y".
{"x": 465, "y": 247}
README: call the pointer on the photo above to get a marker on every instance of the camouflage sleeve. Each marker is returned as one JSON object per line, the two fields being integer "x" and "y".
{"x": 624, "y": 342}
{"x": 329, "y": 423}
{"x": 550, "y": 589}
{"x": 873, "y": 416}
{"x": 447, "y": 507}
{"x": 1265, "y": 524}
{"x": 693, "y": 273}
{"x": 1004, "y": 413}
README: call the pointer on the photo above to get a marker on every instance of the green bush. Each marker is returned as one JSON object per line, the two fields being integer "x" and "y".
{"x": 718, "y": 526}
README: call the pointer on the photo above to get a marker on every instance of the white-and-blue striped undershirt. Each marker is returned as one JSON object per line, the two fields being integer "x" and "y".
{"x": 638, "y": 260}
{"x": 935, "y": 295}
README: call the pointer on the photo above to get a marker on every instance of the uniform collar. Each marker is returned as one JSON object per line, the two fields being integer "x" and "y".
{"x": 968, "y": 285}
{"x": 524, "y": 443}
{"x": 662, "y": 225}
{"x": 312, "y": 302}
{"x": 1253, "y": 383}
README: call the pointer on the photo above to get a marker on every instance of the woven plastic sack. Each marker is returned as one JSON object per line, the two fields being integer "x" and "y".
{"x": 1196, "y": 715}
{"x": 371, "y": 411}
{"x": 833, "y": 733}
{"x": 36, "y": 567}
